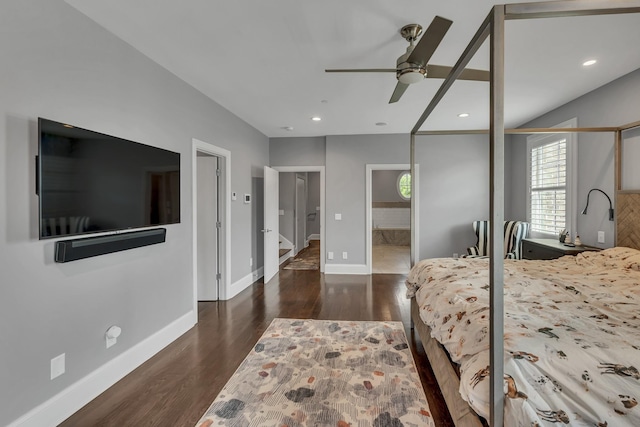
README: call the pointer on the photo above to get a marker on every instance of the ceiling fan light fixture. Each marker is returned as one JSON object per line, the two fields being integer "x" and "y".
{"x": 410, "y": 76}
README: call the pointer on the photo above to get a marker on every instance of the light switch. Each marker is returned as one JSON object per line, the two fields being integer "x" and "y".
{"x": 338, "y": 217}
{"x": 329, "y": 255}
{"x": 281, "y": 212}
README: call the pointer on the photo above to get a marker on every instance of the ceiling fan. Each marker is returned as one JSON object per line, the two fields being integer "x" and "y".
{"x": 412, "y": 67}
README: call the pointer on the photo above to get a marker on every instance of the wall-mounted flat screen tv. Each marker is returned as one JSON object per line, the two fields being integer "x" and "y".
{"x": 89, "y": 182}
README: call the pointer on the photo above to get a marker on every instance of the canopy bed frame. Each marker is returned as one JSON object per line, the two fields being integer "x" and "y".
{"x": 627, "y": 201}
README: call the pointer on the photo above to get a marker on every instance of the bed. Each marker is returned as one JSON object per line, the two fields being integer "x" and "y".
{"x": 572, "y": 336}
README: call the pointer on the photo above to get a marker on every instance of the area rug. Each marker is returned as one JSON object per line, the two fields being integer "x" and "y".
{"x": 320, "y": 373}
{"x": 302, "y": 264}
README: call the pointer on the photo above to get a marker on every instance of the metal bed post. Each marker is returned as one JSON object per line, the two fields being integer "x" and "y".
{"x": 412, "y": 163}
{"x": 496, "y": 214}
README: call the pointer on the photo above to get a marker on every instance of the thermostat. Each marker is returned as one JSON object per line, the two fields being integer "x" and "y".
{"x": 247, "y": 198}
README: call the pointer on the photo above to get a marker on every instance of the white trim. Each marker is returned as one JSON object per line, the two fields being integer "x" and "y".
{"x": 285, "y": 257}
{"x": 286, "y": 243}
{"x": 323, "y": 236}
{"x": 347, "y": 269}
{"x": 244, "y": 283}
{"x": 313, "y": 237}
{"x": 225, "y": 234}
{"x": 415, "y": 250}
{"x": 571, "y": 219}
{"x": 73, "y": 398}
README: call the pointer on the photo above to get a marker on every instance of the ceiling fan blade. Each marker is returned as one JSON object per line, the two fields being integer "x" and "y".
{"x": 363, "y": 70}
{"x": 429, "y": 41}
{"x": 398, "y": 91}
{"x": 441, "y": 72}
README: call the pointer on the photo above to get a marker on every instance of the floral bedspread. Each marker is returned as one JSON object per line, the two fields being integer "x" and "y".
{"x": 572, "y": 334}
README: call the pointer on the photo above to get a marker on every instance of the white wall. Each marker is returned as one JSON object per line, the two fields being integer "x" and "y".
{"x": 613, "y": 104}
{"x": 58, "y": 64}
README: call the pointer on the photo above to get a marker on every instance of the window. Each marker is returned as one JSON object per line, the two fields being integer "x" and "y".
{"x": 551, "y": 206}
{"x": 404, "y": 185}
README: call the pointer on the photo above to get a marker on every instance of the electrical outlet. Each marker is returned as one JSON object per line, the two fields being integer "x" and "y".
{"x": 329, "y": 255}
{"x": 344, "y": 255}
{"x": 600, "y": 236}
{"x": 57, "y": 366}
{"x": 338, "y": 217}
{"x": 455, "y": 255}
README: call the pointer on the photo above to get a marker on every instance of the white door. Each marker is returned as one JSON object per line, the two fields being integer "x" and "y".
{"x": 271, "y": 228}
{"x": 207, "y": 216}
{"x": 301, "y": 213}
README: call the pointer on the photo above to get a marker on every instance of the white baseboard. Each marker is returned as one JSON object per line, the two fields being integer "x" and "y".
{"x": 313, "y": 237}
{"x": 70, "y": 400}
{"x": 285, "y": 257}
{"x": 244, "y": 283}
{"x": 346, "y": 269}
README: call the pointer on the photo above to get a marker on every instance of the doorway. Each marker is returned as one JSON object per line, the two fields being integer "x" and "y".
{"x": 389, "y": 205}
{"x": 211, "y": 211}
{"x": 314, "y": 229}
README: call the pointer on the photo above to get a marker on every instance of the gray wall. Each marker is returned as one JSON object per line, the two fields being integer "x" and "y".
{"x": 287, "y": 195}
{"x": 60, "y": 65}
{"x": 347, "y": 157}
{"x": 384, "y": 186}
{"x": 304, "y": 151}
{"x": 313, "y": 201}
{"x": 614, "y": 104}
{"x": 454, "y": 191}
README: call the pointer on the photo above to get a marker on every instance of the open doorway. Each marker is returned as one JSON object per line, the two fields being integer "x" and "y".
{"x": 389, "y": 232}
{"x": 301, "y": 217}
{"x": 299, "y": 220}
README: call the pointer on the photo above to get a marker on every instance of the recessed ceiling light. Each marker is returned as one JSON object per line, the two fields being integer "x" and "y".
{"x": 316, "y": 118}
{"x": 288, "y": 128}
{"x": 381, "y": 124}
{"x": 589, "y": 62}
{"x": 463, "y": 115}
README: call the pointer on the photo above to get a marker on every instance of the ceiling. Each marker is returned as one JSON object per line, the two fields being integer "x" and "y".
{"x": 265, "y": 60}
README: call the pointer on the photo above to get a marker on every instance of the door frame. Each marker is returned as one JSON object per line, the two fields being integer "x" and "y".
{"x": 415, "y": 201}
{"x": 320, "y": 169}
{"x": 224, "y": 207}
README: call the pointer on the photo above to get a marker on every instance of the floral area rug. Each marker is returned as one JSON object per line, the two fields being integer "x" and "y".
{"x": 321, "y": 373}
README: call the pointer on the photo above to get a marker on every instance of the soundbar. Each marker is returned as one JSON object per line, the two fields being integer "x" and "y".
{"x": 74, "y": 249}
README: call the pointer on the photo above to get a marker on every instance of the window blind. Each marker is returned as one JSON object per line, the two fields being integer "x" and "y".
{"x": 549, "y": 187}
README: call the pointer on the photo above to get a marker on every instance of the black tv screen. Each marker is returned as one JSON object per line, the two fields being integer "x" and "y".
{"x": 89, "y": 182}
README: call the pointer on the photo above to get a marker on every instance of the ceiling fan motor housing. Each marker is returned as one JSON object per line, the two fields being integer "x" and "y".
{"x": 407, "y": 72}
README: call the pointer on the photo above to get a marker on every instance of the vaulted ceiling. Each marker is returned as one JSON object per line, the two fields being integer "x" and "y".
{"x": 265, "y": 60}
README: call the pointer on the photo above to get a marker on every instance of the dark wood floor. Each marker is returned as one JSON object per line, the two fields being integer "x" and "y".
{"x": 175, "y": 387}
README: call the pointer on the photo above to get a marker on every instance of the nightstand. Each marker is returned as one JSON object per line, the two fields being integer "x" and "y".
{"x": 550, "y": 249}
